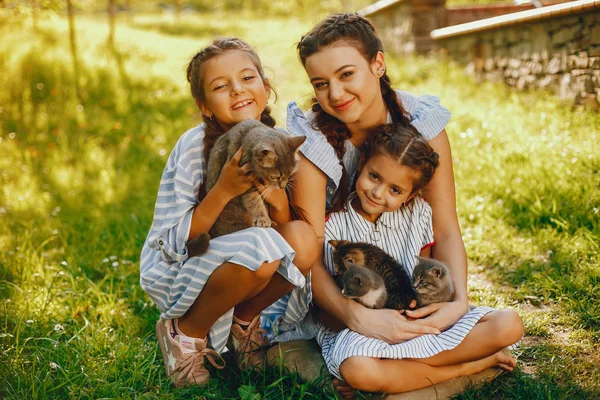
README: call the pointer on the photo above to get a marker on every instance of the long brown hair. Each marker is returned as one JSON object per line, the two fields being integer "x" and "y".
{"x": 359, "y": 32}
{"x": 408, "y": 147}
{"x": 219, "y": 46}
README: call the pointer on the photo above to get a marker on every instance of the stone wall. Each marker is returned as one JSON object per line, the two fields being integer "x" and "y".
{"x": 559, "y": 53}
{"x": 464, "y": 14}
{"x": 405, "y": 25}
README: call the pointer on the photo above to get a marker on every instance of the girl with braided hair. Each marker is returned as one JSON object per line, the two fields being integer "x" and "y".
{"x": 344, "y": 60}
{"x": 206, "y": 300}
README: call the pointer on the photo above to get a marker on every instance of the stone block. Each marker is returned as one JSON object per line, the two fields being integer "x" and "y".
{"x": 514, "y": 63}
{"x": 594, "y": 51}
{"x": 595, "y": 33}
{"x": 301, "y": 356}
{"x": 554, "y": 65}
{"x": 584, "y": 84}
{"x": 590, "y": 102}
{"x": 448, "y": 389}
{"x": 594, "y": 62}
{"x": 537, "y": 68}
{"x": 548, "y": 82}
{"x": 489, "y": 64}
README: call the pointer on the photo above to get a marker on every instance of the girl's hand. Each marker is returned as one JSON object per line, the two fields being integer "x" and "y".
{"x": 274, "y": 197}
{"x": 235, "y": 180}
{"x": 440, "y": 315}
{"x": 391, "y": 326}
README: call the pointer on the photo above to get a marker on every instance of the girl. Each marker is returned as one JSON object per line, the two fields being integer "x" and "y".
{"x": 344, "y": 60}
{"x": 387, "y": 211}
{"x": 203, "y": 299}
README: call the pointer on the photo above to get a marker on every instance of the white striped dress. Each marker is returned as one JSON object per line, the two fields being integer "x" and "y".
{"x": 172, "y": 279}
{"x": 290, "y": 319}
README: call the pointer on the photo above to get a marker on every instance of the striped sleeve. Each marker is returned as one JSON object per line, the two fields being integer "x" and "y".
{"x": 427, "y": 224}
{"x": 180, "y": 182}
{"x": 331, "y": 233}
{"x": 428, "y": 115}
{"x": 316, "y": 148}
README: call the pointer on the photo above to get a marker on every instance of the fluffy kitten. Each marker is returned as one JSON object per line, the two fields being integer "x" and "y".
{"x": 365, "y": 286}
{"x": 432, "y": 282}
{"x": 273, "y": 158}
{"x": 397, "y": 282}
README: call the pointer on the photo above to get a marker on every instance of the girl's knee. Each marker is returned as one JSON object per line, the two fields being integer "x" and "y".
{"x": 266, "y": 271}
{"x": 361, "y": 373}
{"x": 508, "y": 326}
{"x": 303, "y": 240}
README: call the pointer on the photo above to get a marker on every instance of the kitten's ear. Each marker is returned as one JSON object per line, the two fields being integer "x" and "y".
{"x": 296, "y": 141}
{"x": 438, "y": 271}
{"x": 336, "y": 243}
{"x": 266, "y": 156}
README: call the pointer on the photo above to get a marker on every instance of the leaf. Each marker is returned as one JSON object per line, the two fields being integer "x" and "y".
{"x": 248, "y": 392}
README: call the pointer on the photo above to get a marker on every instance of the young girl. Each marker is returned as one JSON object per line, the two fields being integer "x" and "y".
{"x": 344, "y": 60}
{"x": 386, "y": 210}
{"x": 207, "y": 299}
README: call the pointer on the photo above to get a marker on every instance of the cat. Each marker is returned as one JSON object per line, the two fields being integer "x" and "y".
{"x": 397, "y": 283}
{"x": 364, "y": 285}
{"x": 273, "y": 157}
{"x": 432, "y": 282}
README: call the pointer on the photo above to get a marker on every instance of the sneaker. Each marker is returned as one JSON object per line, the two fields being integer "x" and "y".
{"x": 184, "y": 359}
{"x": 249, "y": 345}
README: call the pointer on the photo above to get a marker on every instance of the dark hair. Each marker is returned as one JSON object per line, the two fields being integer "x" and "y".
{"x": 359, "y": 32}
{"x": 408, "y": 147}
{"x": 217, "y": 47}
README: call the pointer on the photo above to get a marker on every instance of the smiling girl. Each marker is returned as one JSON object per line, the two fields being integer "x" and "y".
{"x": 344, "y": 60}
{"x": 206, "y": 300}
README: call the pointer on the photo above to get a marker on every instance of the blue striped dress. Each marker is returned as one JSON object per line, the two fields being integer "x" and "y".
{"x": 290, "y": 317}
{"x": 171, "y": 278}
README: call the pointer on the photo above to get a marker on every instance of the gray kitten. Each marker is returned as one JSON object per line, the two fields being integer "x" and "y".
{"x": 396, "y": 279}
{"x": 432, "y": 282}
{"x": 364, "y": 286}
{"x": 273, "y": 158}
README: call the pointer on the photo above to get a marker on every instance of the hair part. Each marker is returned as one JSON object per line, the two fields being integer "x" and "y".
{"x": 219, "y": 46}
{"x": 353, "y": 30}
{"x": 408, "y": 147}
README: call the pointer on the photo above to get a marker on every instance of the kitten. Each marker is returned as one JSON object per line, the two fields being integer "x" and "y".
{"x": 365, "y": 286}
{"x": 397, "y": 282}
{"x": 273, "y": 157}
{"x": 432, "y": 282}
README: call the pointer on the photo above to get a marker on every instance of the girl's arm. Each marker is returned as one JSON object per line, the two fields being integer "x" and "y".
{"x": 233, "y": 180}
{"x": 389, "y": 325}
{"x": 449, "y": 246}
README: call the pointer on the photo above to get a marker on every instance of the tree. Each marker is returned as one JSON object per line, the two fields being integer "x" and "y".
{"x": 112, "y": 11}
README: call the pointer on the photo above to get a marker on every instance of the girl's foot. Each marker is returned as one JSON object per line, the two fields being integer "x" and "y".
{"x": 345, "y": 390}
{"x": 502, "y": 359}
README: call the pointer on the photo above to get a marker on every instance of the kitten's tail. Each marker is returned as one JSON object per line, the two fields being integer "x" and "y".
{"x": 198, "y": 246}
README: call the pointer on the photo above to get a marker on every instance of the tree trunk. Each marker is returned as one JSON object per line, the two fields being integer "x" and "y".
{"x": 178, "y": 8}
{"x": 73, "y": 43}
{"x": 112, "y": 11}
{"x": 34, "y": 14}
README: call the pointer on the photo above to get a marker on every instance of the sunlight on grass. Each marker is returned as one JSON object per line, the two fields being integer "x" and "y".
{"x": 79, "y": 172}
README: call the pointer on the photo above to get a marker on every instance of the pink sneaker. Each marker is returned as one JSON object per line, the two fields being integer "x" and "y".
{"x": 184, "y": 362}
{"x": 249, "y": 345}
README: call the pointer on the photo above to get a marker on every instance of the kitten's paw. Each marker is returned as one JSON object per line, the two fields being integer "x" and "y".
{"x": 262, "y": 222}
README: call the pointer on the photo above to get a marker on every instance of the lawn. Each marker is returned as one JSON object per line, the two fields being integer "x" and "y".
{"x": 79, "y": 172}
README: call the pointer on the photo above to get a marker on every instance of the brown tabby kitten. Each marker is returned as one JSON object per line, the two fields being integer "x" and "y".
{"x": 432, "y": 282}
{"x": 273, "y": 157}
{"x": 365, "y": 286}
{"x": 397, "y": 282}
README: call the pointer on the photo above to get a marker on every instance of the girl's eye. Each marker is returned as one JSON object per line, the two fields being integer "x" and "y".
{"x": 395, "y": 191}
{"x": 221, "y": 86}
{"x": 319, "y": 85}
{"x": 248, "y": 78}
{"x": 373, "y": 176}
{"x": 346, "y": 74}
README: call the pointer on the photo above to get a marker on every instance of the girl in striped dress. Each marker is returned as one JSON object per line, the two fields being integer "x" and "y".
{"x": 344, "y": 60}
{"x": 206, "y": 300}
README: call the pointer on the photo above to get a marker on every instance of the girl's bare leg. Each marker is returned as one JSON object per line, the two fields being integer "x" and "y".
{"x": 301, "y": 237}
{"x": 227, "y": 286}
{"x": 492, "y": 333}
{"x": 397, "y": 376}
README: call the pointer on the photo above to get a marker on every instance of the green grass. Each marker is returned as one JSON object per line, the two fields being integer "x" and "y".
{"x": 79, "y": 175}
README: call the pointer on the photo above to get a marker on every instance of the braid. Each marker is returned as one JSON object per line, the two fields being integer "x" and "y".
{"x": 392, "y": 102}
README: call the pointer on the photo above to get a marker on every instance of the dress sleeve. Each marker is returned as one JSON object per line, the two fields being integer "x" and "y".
{"x": 428, "y": 115}
{"x": 177, "y": 198}
{"x": 316, "y": 148}
{"x": 331, "y": 233}
{"x": 427, "y": 224}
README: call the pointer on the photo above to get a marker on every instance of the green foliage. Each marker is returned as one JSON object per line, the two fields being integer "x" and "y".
{"x": 78, "y": 180}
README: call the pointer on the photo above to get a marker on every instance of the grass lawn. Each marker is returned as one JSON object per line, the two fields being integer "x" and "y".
{"x": 79, "y": 174}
